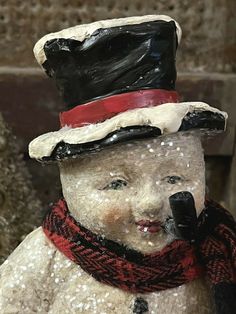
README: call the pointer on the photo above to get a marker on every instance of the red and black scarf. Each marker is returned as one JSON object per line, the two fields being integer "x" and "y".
{"x": 213, "y": 254}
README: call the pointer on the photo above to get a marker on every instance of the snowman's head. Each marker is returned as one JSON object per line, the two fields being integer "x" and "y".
{"x": 122, "y": 192}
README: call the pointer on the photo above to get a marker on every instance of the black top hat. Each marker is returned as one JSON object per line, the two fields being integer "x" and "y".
{"x": 113, "y": 61}
{"x": 117, "y": 78}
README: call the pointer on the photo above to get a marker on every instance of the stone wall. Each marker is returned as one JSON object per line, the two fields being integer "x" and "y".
{"x": 205, "y": 61}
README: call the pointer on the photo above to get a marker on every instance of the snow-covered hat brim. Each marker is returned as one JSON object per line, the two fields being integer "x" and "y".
{"x": 160, "y": 120}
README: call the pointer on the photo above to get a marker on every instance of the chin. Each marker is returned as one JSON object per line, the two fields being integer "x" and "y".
{"x": 147, "y": 242}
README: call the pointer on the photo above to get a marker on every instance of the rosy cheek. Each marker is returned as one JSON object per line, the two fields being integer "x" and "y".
{"x": 115, "y": 217}
{"x": 111, "y": 217}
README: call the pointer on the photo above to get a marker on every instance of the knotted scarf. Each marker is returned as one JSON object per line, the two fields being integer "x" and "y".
{"x": 212, "y": 255}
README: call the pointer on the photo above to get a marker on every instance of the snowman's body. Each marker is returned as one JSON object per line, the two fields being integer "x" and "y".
{"x": 37, "y": 278}
{"x": 123, "y": 150}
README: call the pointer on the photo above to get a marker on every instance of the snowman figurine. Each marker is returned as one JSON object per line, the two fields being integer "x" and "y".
{"x": 134, "y": 232}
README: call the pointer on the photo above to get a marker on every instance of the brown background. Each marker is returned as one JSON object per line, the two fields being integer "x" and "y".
{"x": 205, "y": 61}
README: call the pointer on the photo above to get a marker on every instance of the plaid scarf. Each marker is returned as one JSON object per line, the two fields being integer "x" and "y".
{"x": 213, "y": 254}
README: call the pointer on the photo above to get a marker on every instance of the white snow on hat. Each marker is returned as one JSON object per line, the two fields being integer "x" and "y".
{"x": 167, "y": 117}
{"x": 81, "y": 32}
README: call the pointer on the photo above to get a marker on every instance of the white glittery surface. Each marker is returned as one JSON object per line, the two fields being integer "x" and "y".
{"x": 37, "y": 278}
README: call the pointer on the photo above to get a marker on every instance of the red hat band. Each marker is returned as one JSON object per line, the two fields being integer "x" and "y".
{"x": 99, "y": 110}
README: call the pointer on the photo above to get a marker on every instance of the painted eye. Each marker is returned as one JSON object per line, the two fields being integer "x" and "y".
{"x": 116, "y": 185}
{"x": 173, "y": 179}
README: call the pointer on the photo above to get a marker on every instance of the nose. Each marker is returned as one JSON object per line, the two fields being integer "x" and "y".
{"x": 149, "y": 202}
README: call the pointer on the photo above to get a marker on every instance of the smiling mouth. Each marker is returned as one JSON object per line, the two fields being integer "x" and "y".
{"x": 149, "y": 226}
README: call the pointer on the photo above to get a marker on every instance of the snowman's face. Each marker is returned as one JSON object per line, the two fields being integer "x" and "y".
{"x": 121, "y": 190}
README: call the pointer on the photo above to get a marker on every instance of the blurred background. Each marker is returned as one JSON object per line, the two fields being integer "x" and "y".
{"x": 30, "y": 104}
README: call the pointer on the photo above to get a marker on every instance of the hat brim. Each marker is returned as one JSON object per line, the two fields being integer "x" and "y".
{"x": 133, "y": 124}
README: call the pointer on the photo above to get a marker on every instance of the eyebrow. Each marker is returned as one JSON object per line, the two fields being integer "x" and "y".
{"x": 126, "y": 172}
{"x": 120, "y": 169}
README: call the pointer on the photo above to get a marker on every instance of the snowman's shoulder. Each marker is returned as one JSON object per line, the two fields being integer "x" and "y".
{"x": 34, "y": 248}
{"x": 25, "y": 275}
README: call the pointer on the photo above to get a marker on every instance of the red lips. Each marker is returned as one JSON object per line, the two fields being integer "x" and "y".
{"x": 149, "y": 226}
